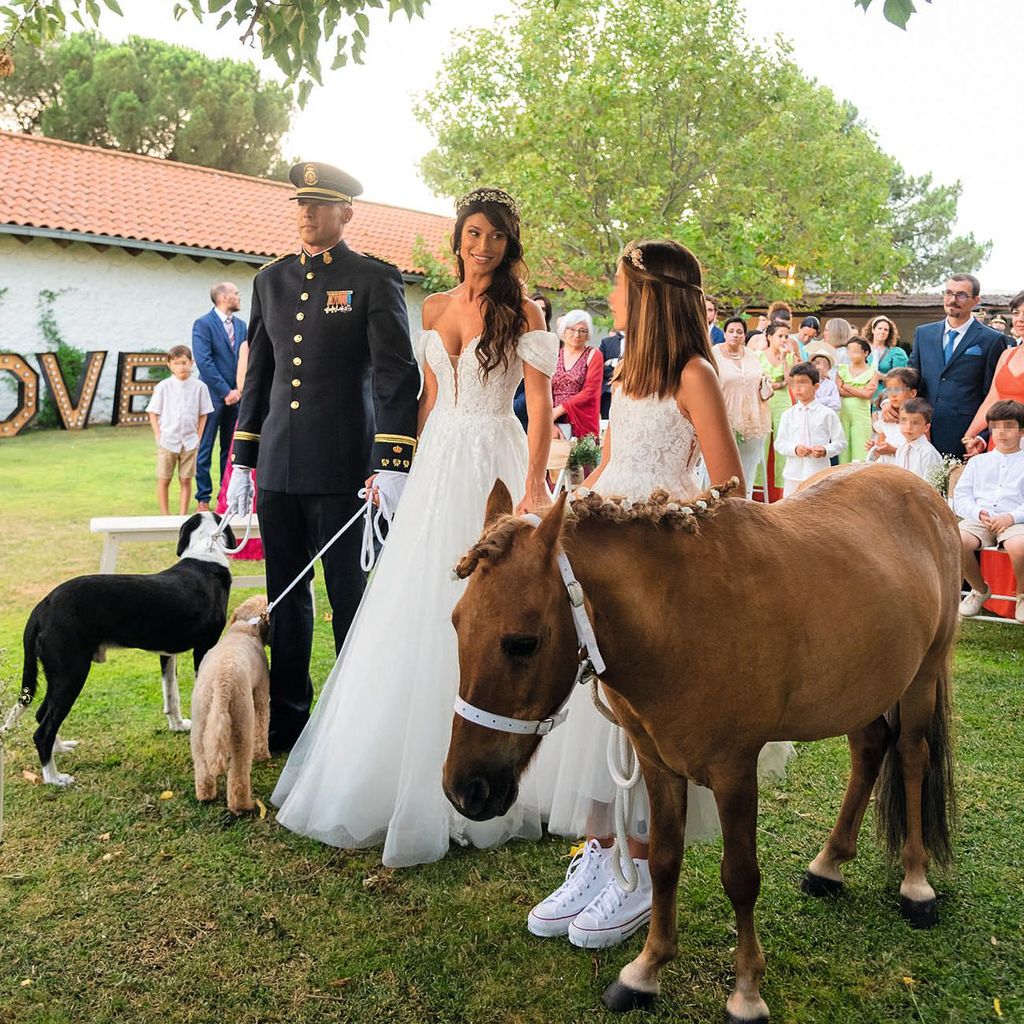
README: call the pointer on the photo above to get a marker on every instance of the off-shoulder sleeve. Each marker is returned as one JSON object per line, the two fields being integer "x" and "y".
{"x": 419, "y": 348}
{"x": 540, "y": 350}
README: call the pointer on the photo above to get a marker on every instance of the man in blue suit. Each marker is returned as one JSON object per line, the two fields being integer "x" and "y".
{"x": 216, "y": 339}
{"x": 956, "y": 359}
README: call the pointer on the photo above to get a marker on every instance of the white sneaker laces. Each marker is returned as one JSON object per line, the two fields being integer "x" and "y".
{"x": 581, "y": 868}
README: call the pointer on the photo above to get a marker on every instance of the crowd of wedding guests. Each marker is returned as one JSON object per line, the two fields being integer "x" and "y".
{"x": 803, "y": 395}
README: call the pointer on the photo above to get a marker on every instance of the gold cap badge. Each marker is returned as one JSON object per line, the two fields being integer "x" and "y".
{"x": 309, "y": 174}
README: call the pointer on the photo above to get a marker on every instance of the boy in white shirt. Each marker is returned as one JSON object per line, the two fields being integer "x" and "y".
{"x": 177, "y": 413}
{"x": 915, "y": 452}
{"x": 809, "y": 432}
{"x": 989, "y": 499}
{"x": 901, "y": 384}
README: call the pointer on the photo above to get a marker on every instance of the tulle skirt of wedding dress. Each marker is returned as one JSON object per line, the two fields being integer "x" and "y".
{"x": 367, "y": 768}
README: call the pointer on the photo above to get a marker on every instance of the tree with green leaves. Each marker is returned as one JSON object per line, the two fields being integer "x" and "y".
{"x": 148, "y": 97}
{"x": 289, "y": 32}
{"x": 663, "y": 120}
{"x": 922, "y": 214}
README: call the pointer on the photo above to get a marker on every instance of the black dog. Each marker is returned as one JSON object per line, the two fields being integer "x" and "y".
{"x": 182, "y": 608}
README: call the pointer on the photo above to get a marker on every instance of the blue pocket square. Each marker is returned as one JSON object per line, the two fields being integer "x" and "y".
{"x": 974, "y": 350}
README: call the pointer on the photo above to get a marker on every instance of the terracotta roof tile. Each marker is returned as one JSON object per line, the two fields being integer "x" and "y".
{"x": 48, "y": 183}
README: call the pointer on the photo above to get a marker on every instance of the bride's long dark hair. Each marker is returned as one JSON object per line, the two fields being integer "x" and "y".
{"x": 504, "y": 320}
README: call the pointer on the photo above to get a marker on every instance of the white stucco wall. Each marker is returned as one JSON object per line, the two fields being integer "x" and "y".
{"x": 112, "y": 301}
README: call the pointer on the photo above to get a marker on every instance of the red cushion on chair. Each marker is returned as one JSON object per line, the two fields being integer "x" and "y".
{"x": 997, "y": 572}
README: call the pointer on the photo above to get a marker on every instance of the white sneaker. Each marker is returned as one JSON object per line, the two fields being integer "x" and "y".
{"x": 972, "y": 604}
{"x": 614, "y": 915}
{"x": 588, "y": 874}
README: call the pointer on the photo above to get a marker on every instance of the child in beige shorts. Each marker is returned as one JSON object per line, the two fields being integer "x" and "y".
{"x": 989, "y": 499}
{"x": 177, "y": 413}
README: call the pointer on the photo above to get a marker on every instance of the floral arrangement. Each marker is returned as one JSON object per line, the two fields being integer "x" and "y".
{"x": 584, "y": 451}
{"x": 939, "y": 476}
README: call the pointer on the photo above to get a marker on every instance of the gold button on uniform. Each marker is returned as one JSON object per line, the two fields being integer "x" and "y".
{"x": 296, "y": 382}
{"x": 297, "y": 338}
{"x": 295, "y": 405}
{"x": 309, "y": 276}
{"x": 300, "y": 316}
{"x": 304, "y": 296}
{"x": 297, "y": 361}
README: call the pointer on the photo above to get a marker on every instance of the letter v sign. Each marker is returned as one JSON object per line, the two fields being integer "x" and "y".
{"x": 73, "y": 411}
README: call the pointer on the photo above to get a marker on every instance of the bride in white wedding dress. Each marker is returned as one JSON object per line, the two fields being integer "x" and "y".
{"x": 367, "y": 768}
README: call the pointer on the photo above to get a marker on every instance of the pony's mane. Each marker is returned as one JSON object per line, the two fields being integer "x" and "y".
{"x": 660, "y": 509}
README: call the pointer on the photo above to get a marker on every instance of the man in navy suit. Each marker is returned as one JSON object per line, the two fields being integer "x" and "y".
{"x": 956, "y": 359}
{"x": 216, "y": 339}
{"x": 611, "y": 353}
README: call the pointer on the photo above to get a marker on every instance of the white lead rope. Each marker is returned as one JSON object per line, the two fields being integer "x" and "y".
{"x": 624, "y": 768}
{"x": 367, "y": 556}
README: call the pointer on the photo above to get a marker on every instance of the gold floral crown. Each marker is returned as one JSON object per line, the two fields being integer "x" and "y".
{"x": 488, "y": 195}
{"x": 635, "y": 254}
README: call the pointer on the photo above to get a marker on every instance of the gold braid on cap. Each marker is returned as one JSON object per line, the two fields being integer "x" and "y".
{"x": 635, "y": 254}
{"x": 488, "y": 195}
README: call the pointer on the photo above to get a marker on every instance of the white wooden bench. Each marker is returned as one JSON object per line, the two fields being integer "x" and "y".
{"x": 135, "y": 529}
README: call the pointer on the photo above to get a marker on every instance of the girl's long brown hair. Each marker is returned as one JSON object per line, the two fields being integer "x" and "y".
{"x": 666, "y": 322}
{"x": 504, "y": 320}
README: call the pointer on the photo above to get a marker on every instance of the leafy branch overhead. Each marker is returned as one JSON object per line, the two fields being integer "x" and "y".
{"x": 896, "y": 11}
{"x": 288, "y": 32}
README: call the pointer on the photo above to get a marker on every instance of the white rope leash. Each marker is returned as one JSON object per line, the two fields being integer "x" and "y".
{"x": 624, "y": 767}
{"x": 371, "y": 528}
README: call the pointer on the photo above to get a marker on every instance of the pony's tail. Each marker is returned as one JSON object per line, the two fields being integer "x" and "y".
{"x": 938, "y": 796}
{"x": 29, "y": 671}
{"x": 217, "y": 733}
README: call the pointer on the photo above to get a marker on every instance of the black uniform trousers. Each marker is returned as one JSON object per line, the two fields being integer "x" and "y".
{"x": 294, "y": 527}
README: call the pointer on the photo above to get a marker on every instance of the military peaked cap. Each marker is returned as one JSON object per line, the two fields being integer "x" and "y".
{"x": 323, "y": 183}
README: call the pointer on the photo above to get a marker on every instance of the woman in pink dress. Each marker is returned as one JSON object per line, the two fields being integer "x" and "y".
{"x": 576, "y": 382}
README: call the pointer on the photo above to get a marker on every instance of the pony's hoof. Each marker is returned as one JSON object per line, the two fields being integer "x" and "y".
{"x": 621, "y": 998}
{"x": 731, "y": 1018}
{"x": 920, "y": 913}
{"x": 818, "y": 886}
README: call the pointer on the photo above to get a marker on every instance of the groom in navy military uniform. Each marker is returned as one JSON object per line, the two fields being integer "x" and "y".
{"x": 330, "y": 398}
{"x": 956, "y": 359}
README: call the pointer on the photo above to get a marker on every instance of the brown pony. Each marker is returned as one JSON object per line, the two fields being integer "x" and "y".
{"x": 699, "y": 691}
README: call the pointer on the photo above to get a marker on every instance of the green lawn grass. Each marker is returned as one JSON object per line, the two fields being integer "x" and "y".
{"x": 119, "y": 906}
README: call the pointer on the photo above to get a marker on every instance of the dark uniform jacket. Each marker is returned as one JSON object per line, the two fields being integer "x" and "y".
{"x": 330, "y": 391}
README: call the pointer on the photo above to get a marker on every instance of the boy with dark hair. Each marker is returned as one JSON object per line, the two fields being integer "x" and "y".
{"x": 917, "y": 454}
{"x": 989, "y": 499}
{"x": 901, "y": 384}
{"x": 177, "y": 413}
{"x": 809, "y": 433}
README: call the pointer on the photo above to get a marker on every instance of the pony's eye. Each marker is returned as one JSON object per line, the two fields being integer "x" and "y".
{"x": 518, "y": 646}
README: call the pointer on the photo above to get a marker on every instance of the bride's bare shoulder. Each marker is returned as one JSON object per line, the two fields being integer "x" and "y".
{"x": 434, "y": 307}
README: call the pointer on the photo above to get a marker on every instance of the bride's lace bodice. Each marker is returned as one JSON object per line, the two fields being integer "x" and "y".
{"x": 653, "y": 445}
{"x": 461, "y": 390}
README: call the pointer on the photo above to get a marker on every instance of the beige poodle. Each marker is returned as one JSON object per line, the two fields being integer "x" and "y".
{"x": 231, "y": 708}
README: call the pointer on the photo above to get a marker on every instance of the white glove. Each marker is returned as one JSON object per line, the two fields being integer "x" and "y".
{"x": 389, "y": 486}
{"x": 240, "y": 492}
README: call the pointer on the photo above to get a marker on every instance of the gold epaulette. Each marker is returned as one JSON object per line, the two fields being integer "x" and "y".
{"x": 380, "y": 259}
{"x": 277, "y": 259}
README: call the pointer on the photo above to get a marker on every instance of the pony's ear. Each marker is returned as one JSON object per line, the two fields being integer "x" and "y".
{"x": 550, "y": 528}
{"x": 499, "y": 503}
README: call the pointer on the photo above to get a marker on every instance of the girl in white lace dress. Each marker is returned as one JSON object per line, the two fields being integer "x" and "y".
{"x": 667, "y": 408}
{"x": 367, "y": 768}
